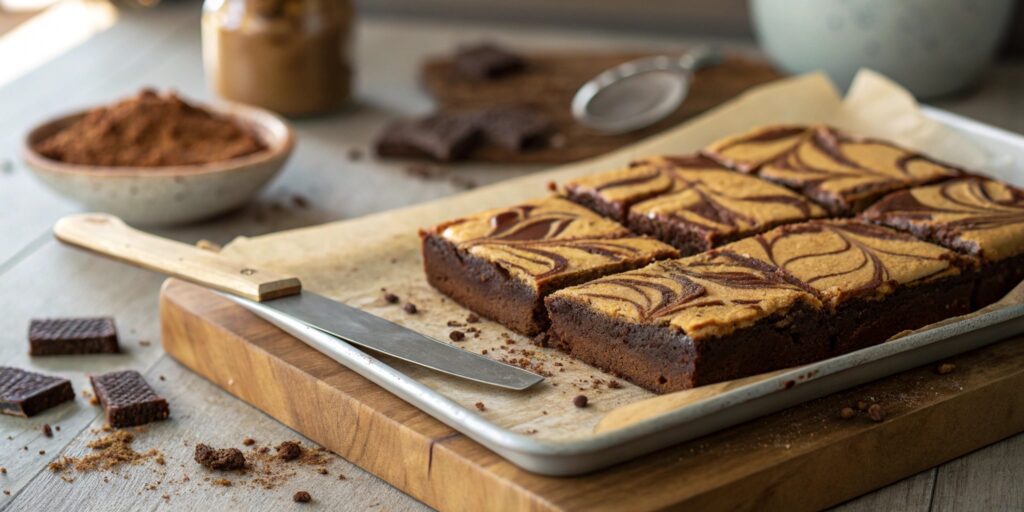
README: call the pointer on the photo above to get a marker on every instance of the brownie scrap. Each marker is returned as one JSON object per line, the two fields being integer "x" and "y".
{"x": 289, "y": 450}
{"x": 457, "y": 335}
{"x": 580, "y": 401}
{"x": 61, "y": 336}
{"x": 847, "y": 413}
{"x": 876, "y": 413}
{"x": 26, "y": 394}
{"x": 128, "y": 399}
{"x": 486, "y": 61}
{"x": 224, "y": 459}
{"x": 302, "y": 497}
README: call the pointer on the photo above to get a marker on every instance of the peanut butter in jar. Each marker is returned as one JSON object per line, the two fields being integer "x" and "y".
{"x": 289, "y": 56}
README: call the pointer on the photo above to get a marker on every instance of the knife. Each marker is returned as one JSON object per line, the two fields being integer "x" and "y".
{"x": 257, "y": 289}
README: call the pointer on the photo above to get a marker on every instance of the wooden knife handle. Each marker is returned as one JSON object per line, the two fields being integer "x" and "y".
{"x": 110, "y": 236}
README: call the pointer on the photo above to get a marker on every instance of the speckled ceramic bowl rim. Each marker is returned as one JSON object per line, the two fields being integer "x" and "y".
{"x": 262, "y": 122}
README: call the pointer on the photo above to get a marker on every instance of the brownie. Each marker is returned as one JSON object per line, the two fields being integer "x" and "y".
{"x": 443, "y": 136}
{"x": 515, "y": 127}
{"x": 691, "y": 202}
{"x": 61, "y": 336}
{"x": 501, "y": 263}
{"x": 981, "y": 218}
{"x": 845, "y": 174}
{"x": 678, "y": 324}
{"x": 748, "y": 151}
{"x": 486, "y": 61}
{"x": 874, "y": 281}
{"x": 26, "y": 394}
{"x": 127, "y": 399}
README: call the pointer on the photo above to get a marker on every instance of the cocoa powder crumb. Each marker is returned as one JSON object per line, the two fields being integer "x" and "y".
{"x": 457, "y": 335}
{"x": 480, "y": 406}
{"x": 847, "y": 413}
{"x": 302, "y": 497}
{"x": 224, "y": 459}
{"x": 289, "y": 450}
{"x": 47, "y": 431}
{"x": 876, "y": 413}
{"x": 580, "y": 401}
{"x": 945, "y": 368}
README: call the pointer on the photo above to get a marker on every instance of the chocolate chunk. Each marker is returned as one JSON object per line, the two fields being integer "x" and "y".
{"x": 289, "y": 450}
{"x": 225, "y": 459}
{"x": 443, "y": 137}
{"x": 60, "y": 336}
{"x": 127, "y": 399}
{"x": 27, "y": 394}
{"x": 486, "y": 61}
{"x": 302, "y": 497}
{"x": 516, "y": 128}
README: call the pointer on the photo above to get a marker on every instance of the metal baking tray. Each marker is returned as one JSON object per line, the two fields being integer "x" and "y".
{"x": 1005, "y": 153}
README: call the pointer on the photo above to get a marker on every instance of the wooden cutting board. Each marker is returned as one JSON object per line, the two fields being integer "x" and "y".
{"x": 803, "y": 458}
{"x": 550, "y": 81}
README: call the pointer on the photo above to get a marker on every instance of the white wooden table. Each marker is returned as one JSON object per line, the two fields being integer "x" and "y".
{"x": 39, "y": 277}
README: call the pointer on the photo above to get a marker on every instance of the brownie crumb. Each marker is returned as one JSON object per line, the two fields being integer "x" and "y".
{"x": 614, "y": 384}
{"x": 862, "y": 405}
{"x": 219, "y": 459}
{"x": 57, "y": 428}
{"x": 580, "y": 401}
{"x": 391, "y": 298}
{"x": 300, "y": 201}
{"x": 472, "y": 318}
{"x": 47, "y": 431}
{"x": 144, "y": 343}
{"x": 7, "y": 493}
{"x": 541, "y": 340}
{"x": 289, "y": 450}
{"x": 3, "y": 470}
{"x": 42, "y": 452}
{"x": 223, "y": 482}
{"x": 302, "y": 497}
{"x": 847, "y": 413}
{"x": 457, "y": 335}
{"x": 355, "y": 154}
{"x": 248, "y": 441}
{"x": 321, "y": 470}
{"x": 480, "y": 406}
{"x": 342, "y": 477}
{"x": 410, "y": 308}
{"x": 876, "y": 413}
{"x": 552, "y": 186}
{"x": 945, "y": 368}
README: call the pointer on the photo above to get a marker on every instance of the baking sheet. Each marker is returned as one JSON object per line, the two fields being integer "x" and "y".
{"x": 540, "y": 429}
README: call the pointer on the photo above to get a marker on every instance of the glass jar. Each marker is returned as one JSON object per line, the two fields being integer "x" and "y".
{"x": 289, "y": 56}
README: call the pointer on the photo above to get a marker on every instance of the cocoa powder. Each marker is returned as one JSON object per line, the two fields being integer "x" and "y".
{"x": 150, "y": 130}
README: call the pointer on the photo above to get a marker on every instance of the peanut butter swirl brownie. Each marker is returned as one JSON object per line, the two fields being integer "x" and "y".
{"x": 501, "y": 263}
{"x": 692, "y": 202}
{"x": 846, "y": 174}
{"x": 683, "y": 323}
{"x": 978, "y": 217}
{"x": 875, "y": 281}
{"x": 747, "y": 152}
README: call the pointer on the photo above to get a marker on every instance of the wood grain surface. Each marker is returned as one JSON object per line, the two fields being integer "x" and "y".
{"x": 550, "y": 81}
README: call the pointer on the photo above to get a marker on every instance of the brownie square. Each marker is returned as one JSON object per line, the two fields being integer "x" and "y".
{"x": 502, "y": 263}
{"x": 26, "y": 394}
{"x": 845, "y": 174}
{"x": 691, "y": 202}
{"x": 683, "y": 323}
{"x": 128, "y": 399}
{"x": 486, "y": 61}
{"x": 515, "y": 127}
{"x": 444, "y": 137}
{"x": 61, "y": 336}
{"x": 875, "y": 281}
{"x": 978, "y": 217}
{"x": 748, "y": 151}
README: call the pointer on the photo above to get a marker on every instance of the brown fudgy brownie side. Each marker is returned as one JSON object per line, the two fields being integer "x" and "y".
{"x": 128, "y": 399}
{"x": 26, "y": 394}
{"x": 65, "y": 336}
{"x": 501, "y": 263}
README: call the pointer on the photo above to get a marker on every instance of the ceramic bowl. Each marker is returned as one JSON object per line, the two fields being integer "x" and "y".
{"x": 931, "y": 47}
{"x": 165, "y": 196}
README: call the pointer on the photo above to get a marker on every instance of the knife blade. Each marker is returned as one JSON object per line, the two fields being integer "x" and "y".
{"x": 257, "y": 289}
{"x": 372, "y": 332}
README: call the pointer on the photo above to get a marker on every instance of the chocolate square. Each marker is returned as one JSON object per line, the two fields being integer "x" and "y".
{"x": 62, "y": 336}
{"x": 516, "y": 128}
{"x": 443, "y": 137}
{"x": 26, "y": 394}
{"x": 128, "y": 399}
{"x": 486, "y": 61}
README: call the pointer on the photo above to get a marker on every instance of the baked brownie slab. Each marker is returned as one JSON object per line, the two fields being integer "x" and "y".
{"x": 845, "y": 174}
{"x": 127, "y": 399}
{"x": 875, "y": 281}
{"x": 62, "y": 336}
{"x": 692, "y": 202}
{"x": 682, "y": 323}
{"x": 748, "y": 151}
{"x": 26, "y": 394}
{"x": 501, "y": 263}
{"x": 978, "y": 217}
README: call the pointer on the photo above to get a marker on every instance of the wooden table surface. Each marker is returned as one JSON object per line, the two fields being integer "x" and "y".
{"x": 39, "y": 277}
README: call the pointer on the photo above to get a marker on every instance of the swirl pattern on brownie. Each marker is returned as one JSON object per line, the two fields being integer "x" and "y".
{"x": 844, "y": 259}
{"x": 545, "y": 239}
{"x": 852, "y": 168}
{"x": 748, "y": 151}
{"x": 705, "y": 295}
{"x": 980, "y": 217}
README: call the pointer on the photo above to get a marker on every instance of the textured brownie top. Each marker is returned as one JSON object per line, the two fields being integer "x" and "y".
{"x": 549, "y": 238}
{"x": 840, "y": 169}
{"x": 705, "y": 295}
{"x": 748, "y": 151}
{"x": 983, "y": 218}
{"x": 700, "y": 192}
{"x": 846, "y": 258}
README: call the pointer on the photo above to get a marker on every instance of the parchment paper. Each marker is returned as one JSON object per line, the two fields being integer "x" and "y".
{"x": 351, "y": 261}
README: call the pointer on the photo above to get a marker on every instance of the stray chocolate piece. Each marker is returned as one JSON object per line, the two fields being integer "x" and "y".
{"x": 410, "y": 308}
{"x": 486, "y": 61}
{"x": 302, "y": 497}
{"x": 225, "y": 459}
{"x": 580, "y": 401}
{"x": 876, "y": 413}
{"x": 128, "y": 400}
{"x": 945, "y": 368}
{"x": 847, "y": 413}
{"x": 289, "y": 450}
{"x": 47, "y": 431}
{"x": 60, "y": 336}
{"x": 26, "y": 394}
{"x": 443, "y": 137}
{"x": 457, "y": 335}
{"x": 516, "y": 127}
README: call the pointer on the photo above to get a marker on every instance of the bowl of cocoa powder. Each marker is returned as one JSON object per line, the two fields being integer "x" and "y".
{"x": 155, "y": 159}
